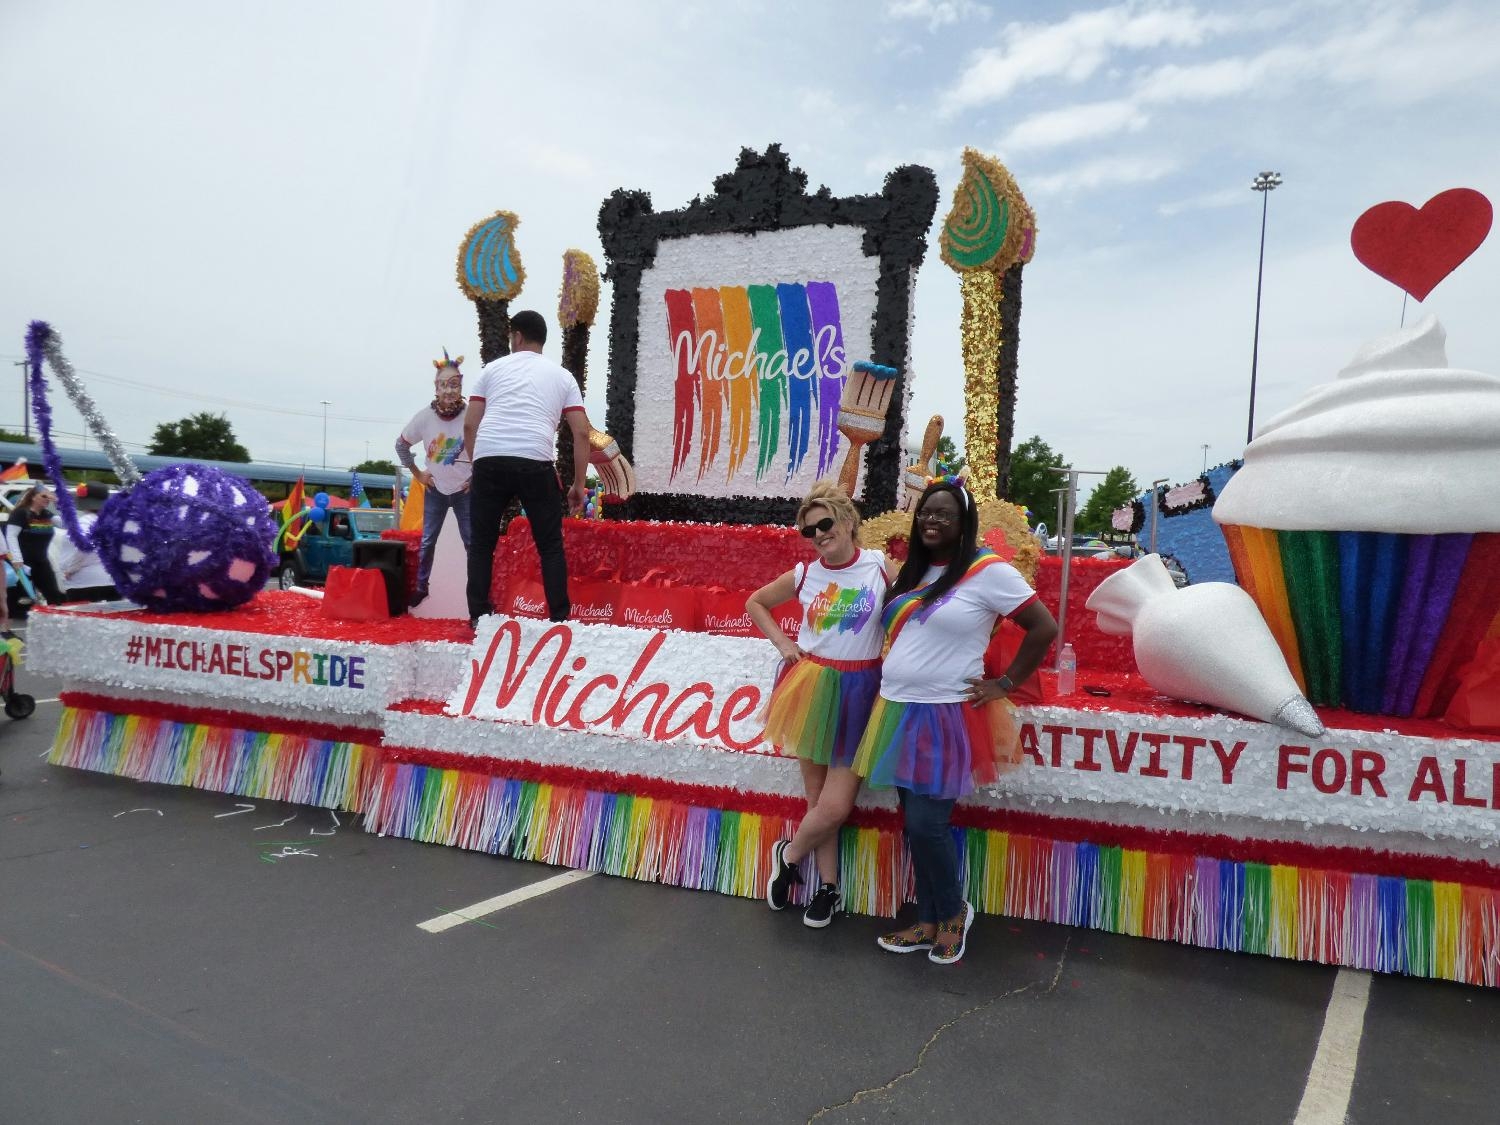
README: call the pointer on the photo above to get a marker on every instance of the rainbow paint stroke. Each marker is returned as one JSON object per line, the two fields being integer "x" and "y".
{"x": 443, "y": 450}
{"x": 837, "y": 609}
{"x": 756, "y": 360}
{"x": 1375, "y": 622}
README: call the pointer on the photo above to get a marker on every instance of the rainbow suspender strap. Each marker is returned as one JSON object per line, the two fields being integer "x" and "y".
{"x": 899, "y": 610}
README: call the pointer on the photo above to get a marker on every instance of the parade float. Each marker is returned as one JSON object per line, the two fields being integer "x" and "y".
{"x": 1305, "y": 765}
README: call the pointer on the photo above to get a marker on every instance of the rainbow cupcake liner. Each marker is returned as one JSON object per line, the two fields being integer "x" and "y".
{"x": 1370, "y": 621}
{"x": 818, "y": 711}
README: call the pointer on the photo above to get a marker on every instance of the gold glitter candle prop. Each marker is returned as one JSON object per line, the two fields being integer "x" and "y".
{"x": 979, "y": 328}
{"x": 989, "y": 230}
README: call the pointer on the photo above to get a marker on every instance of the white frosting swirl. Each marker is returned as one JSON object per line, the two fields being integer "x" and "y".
{"x": 1399, "y": 443}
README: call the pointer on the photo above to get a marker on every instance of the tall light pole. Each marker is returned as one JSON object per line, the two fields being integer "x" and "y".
{"x": 25, "y": 367}
{"x": 1265, "y": 183}
{"x": 1205, "y": 454}
{"x": 326, "y": 404}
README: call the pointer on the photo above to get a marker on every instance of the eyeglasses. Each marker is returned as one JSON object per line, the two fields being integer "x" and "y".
{"x": 937, "y": 519}
{"x": 823, "y": 525}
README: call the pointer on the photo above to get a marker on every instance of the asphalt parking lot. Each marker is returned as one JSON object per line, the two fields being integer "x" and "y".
{"x": 169, "y": 955}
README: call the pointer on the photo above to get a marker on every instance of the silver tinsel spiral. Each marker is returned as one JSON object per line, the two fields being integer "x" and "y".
{"x": 119, "y": 460}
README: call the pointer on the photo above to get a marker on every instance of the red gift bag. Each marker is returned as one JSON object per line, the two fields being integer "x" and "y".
{"x": 596, "y": 598}
{"x": 1476, "y": 703}
{"x": 723, "y": 612}
{"x": 524, "y": 597}
{"x": 355, "y": 594}
{"x": 997, "y": 658}
{"x": 656, "y": 602}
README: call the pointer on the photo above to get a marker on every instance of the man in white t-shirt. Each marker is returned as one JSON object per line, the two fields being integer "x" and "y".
{"x": 439, "y": 430}
{"x": 511, "y": 429}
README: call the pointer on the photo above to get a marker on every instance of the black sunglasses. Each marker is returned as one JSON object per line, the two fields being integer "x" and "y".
{"x": 824, "y": 524}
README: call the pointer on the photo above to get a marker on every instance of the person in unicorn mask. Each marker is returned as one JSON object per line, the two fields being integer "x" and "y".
{"x": 439, "y": 429}
{"x": 826, "y": 685}
{"x": 938, "y": 727}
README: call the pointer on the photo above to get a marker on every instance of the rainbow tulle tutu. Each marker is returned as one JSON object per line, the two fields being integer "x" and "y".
{"x": 938, "y": 749}
{"x": 819, "y": 708}
{"x": 1375, "y": 622}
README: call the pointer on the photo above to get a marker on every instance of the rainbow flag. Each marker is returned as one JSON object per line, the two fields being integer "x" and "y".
{"x": 18, "y": 471}
{"x": 291, "y": 508}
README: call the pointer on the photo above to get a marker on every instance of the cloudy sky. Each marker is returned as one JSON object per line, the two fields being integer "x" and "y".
{"x": 252, "y": 208}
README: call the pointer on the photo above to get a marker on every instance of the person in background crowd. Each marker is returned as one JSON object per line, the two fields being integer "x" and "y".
{"x": 80, "y": 573}
{"x": 939, "y": 727}
{"x": 510, "y": 431}
{"x": 826, "y": 685}
{"x": 439, "y": 429}
{"x": 28, "y": 531}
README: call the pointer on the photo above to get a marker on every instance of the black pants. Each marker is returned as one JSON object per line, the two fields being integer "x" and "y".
{"x": 498, "y": 481}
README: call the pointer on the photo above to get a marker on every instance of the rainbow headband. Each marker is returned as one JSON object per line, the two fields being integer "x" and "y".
{"x": 957, "y": 482}
{"x": 899, "y": 610}
{"x": 439, "y": 364}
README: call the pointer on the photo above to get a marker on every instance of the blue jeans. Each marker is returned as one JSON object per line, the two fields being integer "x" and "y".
{"x": 434, "y": 509}
{"x": 934, "y": 855}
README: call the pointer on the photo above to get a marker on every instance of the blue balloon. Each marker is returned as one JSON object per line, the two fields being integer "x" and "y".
{"x": 317, "y": 515}
{"x": 321, "y": 500}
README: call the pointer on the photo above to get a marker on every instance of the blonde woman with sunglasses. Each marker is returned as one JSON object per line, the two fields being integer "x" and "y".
{"x": 826, "y": 686}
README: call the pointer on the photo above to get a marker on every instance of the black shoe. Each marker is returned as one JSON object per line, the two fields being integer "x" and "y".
{"x": 785, "y": 876}
{"x": 417, "y": 598}
{"x": 824, "y": 905}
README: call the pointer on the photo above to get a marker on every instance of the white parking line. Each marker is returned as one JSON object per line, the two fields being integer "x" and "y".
{"x": 500, "y": 902}
{"x": 1325, "y": 1099}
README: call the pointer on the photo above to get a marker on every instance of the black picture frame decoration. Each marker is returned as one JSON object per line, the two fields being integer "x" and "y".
{"x": 765, "y": 193}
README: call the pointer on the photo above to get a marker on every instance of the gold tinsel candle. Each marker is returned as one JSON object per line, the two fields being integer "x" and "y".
{"x": 989, "y": 231}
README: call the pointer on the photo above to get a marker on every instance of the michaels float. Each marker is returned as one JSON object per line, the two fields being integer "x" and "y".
{"x": 1304, "y": 762}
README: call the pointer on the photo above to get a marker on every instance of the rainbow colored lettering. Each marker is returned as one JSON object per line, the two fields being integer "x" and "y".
{"x": 836, "y": 609}
{"x": 443, "y": 450}
{"x": 753, "y": 353}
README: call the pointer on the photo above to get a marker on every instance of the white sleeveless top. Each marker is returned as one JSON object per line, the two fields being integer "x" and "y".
{"x": 841, "y": 607}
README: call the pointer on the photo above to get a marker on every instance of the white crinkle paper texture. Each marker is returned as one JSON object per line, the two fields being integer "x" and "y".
{"x": 119, "y": 652}
{"x": 617, "y": 682}
{"x": 1399, "y": 443}
{"x": 796, "y": 255}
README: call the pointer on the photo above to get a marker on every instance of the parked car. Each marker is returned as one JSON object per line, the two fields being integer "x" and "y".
{"x": 331, "y": 543}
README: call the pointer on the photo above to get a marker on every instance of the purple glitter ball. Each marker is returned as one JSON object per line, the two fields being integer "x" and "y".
{"x": 187, "y": 538}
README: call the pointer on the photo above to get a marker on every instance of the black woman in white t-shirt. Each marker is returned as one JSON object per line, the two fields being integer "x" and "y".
{"x": 826, "y": 686}
{"x": 939, "y": 727}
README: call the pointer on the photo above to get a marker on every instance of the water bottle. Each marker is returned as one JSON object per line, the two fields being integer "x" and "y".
{"x": 1067, "y": 671}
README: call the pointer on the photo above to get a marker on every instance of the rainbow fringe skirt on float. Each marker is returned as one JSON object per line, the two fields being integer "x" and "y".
{"x": 1375, "y": 622}
{"x": 819, "y": 708}
{"x": 938, "y": 749}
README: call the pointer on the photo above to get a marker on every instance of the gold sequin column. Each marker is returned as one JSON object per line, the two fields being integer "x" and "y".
{"x": 990, "y": 229}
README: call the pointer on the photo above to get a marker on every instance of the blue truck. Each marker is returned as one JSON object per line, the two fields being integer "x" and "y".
{"x": 331, "y": 543}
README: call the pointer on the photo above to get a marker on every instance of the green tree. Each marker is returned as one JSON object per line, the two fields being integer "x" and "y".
{"x": 949, "y": 459}
{"x": 1032, "y": 478}
{"x": 19, "y": 439}
{"x": 386, "y": 467}
{"x": 1117, "y": 489}
{"x": 204, "y": 436}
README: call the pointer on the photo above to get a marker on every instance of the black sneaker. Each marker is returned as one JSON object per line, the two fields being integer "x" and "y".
{"x": 784, "y": 877}
{"x": 419, "y": 595}
{"x": 824, "y": 905}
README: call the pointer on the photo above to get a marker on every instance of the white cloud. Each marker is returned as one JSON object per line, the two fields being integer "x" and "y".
{"x": 936, "y": 13}
{"x": 1209, "y": 201}
{"x": 1074, "y": 123}
{"x": 1074, "y": 49}
{"x": 1105, "y": 172}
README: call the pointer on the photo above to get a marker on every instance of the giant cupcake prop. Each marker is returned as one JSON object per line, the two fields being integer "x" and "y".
{"x": 1366, "y": 526}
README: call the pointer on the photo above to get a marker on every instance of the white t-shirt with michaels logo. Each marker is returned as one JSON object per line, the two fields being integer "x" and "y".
{"x": 841, "y": 607}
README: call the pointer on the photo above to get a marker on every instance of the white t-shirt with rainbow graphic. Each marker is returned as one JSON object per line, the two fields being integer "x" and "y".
{"x": 443, "y": 443}
{"x": 841, "y": 607}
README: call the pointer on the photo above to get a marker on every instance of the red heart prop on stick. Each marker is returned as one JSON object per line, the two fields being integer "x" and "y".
{"x": 1417, "y": 249}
